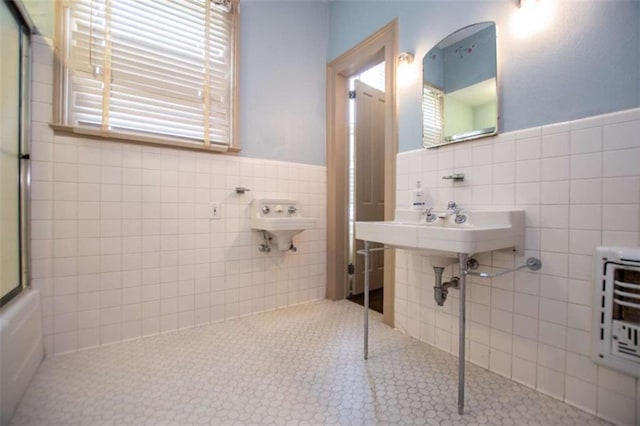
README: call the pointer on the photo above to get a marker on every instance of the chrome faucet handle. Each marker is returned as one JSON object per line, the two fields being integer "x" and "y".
{"x": 453, "y": 208}
{"x": 430, "y": 217}
{"x": 460, "y": 218}
{"x": 292, "y": 209}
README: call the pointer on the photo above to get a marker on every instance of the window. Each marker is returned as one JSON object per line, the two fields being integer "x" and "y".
{"x": 157, "y": 71}
{"x": 14, "y": 112}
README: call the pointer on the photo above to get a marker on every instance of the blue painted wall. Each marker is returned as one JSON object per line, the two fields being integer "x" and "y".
{"x": 282, "y": 80}
{"x": 586, "y": 63}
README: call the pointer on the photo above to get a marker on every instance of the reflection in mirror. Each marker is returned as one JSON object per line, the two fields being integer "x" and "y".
{"x": 459, "y": 94}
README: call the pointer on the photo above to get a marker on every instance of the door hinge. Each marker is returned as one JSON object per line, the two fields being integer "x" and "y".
{"x": 352, "y": 94}
{"x": 351, "y": 269}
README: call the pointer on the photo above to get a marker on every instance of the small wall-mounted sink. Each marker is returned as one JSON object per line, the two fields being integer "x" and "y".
{"x": 482, "y": 230}
{"x": 281, "y": 219}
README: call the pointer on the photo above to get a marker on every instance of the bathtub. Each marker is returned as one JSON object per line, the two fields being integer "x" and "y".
{"x": 21, "y": 349}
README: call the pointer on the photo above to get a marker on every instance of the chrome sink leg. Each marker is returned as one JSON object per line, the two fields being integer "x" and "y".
{"x": 462, "y": 258}
{"x": 366, "y": 299}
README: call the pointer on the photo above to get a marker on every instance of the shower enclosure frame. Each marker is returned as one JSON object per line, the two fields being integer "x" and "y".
{"x": 26, "y": 28}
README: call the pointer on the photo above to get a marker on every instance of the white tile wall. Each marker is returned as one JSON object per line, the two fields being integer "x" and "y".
{"x": 579, "y": 183}
{"x": 123, "y": 246}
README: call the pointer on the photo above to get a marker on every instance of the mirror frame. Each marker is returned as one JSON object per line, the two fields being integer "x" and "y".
{"x": 475, "y": 134}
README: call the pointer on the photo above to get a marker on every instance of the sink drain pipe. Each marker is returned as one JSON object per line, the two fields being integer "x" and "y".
{"x": 440, "y": 289}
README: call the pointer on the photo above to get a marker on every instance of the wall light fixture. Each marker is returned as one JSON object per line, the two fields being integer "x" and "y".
{"x": 406, "y": 70}
{"x": 532, "y": 17}
{"x": 405, "y": 58}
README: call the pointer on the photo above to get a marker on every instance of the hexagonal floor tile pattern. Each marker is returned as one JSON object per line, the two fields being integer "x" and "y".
{"x": 300, "y": 365}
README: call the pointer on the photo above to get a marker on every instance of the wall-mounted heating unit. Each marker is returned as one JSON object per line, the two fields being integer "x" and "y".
{"x": 616, "y": 310}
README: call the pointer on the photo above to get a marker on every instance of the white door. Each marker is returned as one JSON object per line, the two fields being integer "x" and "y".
{"x": 369, "y": 176}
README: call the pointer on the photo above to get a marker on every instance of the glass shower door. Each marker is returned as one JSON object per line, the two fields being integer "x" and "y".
{"x": 13, "y": 47}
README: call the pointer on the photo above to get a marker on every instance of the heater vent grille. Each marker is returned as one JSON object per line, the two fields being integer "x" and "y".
{"x": 625, "y": 340}
{"x": 616, "y": 311}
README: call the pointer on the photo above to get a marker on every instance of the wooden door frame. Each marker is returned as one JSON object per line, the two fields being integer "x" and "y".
{"x": 380, "y": 46}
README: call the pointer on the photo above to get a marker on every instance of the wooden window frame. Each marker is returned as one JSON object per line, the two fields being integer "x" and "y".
{"x": 60, "y": 109}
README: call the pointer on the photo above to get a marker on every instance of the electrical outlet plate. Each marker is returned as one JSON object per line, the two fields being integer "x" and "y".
{"x": 214, "y": 210}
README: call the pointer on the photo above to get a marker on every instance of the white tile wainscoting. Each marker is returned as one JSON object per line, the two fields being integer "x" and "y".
{"x": 122, "y": 241}
{"x": 579, "y": 183}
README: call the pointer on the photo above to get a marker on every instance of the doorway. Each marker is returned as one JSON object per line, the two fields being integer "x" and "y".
{"x": 366, "y": 178}
{"x": 379, "y": 47}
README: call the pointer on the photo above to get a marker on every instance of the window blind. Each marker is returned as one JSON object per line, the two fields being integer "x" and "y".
{"x": 432, "y": 111}
{"x": 162, "y": 67}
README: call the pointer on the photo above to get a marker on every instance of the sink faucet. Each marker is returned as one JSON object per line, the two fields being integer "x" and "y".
{"x": 430, "y": 217}
{"x": 454, "y": 209}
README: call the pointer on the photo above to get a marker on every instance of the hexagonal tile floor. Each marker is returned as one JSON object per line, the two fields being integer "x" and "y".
{"x": 301, "y": 365}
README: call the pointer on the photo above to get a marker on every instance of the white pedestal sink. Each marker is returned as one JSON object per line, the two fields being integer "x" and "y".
{"x": 484, "y": 230}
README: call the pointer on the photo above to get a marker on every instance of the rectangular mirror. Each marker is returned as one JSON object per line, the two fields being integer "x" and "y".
{"x": 460, "y": 87}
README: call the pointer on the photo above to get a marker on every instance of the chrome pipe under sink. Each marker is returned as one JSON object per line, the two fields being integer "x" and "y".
{"x": 440, "y": 289}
